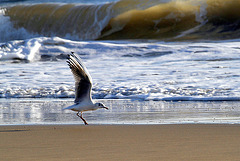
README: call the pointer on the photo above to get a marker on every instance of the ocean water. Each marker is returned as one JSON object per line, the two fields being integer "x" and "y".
{"x": 172, "y": 50}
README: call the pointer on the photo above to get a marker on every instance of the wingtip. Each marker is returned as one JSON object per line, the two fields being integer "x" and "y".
{"x": 72, "y": 54}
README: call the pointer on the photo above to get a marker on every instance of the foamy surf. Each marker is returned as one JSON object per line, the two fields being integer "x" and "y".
{"x": 206, "y": 71}
{"x": 22, "y": 50}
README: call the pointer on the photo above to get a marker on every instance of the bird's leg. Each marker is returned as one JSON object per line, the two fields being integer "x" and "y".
{"x": 85, "y": 122}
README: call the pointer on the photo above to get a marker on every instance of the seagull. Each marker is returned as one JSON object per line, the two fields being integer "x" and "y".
{"x": 83, "y": 86}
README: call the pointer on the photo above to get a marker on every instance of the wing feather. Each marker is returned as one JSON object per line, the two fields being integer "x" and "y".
{"x": 83, "y": 82}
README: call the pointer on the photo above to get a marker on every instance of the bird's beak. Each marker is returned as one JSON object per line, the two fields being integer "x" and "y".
{"x": 106, "y": 108}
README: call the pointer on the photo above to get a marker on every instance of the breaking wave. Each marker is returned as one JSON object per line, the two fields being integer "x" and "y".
{"x": 140, "y": 19}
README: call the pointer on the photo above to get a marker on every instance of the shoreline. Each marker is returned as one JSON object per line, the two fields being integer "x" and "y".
{"x": 120, "y": 142}
{"x": 49, "y": 111}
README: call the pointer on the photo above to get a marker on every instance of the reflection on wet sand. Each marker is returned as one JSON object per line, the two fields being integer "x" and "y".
{"x": 49, "y": 111}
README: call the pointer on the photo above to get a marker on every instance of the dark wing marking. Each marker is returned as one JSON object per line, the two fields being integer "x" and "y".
{"x": 83, "y": 83}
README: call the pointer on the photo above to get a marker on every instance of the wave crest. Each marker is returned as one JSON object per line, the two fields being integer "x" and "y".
{"x": 173, "y": 20}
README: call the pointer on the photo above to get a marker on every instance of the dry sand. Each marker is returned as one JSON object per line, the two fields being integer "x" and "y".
{"x": 120, "y": 142}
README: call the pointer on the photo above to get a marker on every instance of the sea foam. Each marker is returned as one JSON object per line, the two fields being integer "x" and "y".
{"x": 122, "y": 69}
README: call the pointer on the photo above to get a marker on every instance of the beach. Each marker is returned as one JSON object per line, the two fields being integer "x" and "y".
{"x": 120, "y": 142}
{"x": 167, "y": 70}
{"x": 38, "y": 129}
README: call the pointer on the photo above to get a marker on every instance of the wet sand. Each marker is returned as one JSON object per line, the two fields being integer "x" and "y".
{"x": 121, "y": 142}
{"x": 49, "y": 111}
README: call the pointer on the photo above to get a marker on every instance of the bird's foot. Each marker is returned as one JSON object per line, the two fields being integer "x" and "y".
{"x": 85, "y": 123}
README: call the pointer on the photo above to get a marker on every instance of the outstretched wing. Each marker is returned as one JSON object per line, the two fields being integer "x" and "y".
{"x": 83, "y": 81}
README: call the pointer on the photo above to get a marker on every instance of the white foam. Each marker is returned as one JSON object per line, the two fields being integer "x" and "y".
{"x": 8, "y": 32}
{"x": 25, "y": 50}
{"x": 124, "y": 69}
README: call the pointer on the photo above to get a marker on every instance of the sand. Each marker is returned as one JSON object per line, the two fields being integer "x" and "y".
{"x": 121, "y": 142}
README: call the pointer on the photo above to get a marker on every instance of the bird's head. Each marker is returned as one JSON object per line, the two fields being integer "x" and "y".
{"x": 101, "y": 105}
